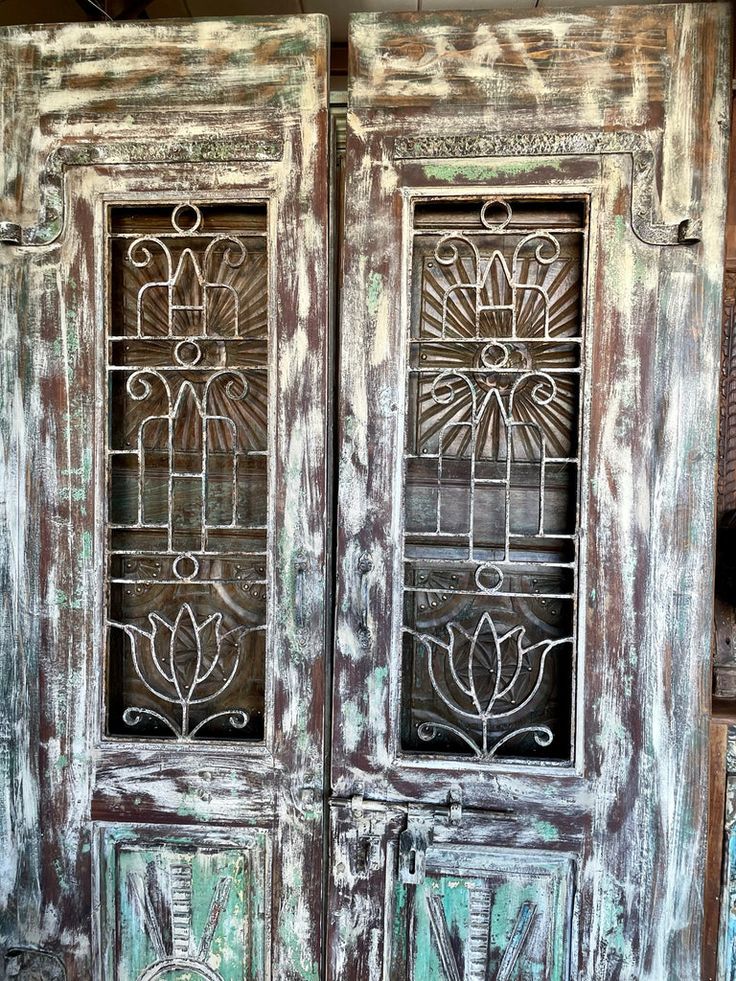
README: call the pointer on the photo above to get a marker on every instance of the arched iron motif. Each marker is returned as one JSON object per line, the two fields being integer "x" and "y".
{"x": 187, "y": 459}
{"x": 491, "y": 462}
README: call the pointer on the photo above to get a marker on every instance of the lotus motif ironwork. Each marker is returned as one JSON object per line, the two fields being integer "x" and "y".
{"x": 185, "y": 663}
{"x": 488, "y": 678}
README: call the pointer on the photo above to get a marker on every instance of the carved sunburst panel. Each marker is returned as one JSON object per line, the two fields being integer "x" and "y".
{"x": 221, "y": 266}
{"x": 142, "y": 404}
{"x": 188, "y": 443}
{"x": 453, "y": 311}
{"x": 491, "y": 474}
{"x": 454, "y": 338}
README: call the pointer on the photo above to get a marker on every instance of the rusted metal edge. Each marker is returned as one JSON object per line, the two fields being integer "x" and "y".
{"x": 643, "y": 194}
{"x": 195, "y": 150}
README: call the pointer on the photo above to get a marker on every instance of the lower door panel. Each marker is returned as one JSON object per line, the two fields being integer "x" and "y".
{"x": 418, "y": 896}
{"x": 174, "y": 901}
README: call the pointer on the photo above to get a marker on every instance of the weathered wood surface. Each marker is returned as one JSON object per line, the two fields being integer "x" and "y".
{"x": 634, "y": 826}
{"x": 146, "y": 113}
{"x": 714, "y": 853}
{"x": 727, "y": 935}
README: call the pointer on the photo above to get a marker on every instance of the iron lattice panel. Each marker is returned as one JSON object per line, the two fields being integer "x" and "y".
{"x": 492, "y": 462}
{"x": 187, "y": 456}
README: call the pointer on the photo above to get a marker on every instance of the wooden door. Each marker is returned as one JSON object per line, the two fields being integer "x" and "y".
{"x": 529, "y": 390}
{"x": 164, "y": 338}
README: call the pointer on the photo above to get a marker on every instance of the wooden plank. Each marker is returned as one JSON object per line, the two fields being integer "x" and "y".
{"x": 518, "y": 62}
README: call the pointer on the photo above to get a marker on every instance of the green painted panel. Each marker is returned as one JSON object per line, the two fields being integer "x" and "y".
{"x": 184, "y": 907}
{"x": 486, "y": 915}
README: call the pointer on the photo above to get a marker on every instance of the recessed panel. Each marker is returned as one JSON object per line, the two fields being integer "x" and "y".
{"x": 178, "y": 905}
{"x": 187, "y": 457}
{"x": 492, "y": 465}
{"x": 482, "y": 913}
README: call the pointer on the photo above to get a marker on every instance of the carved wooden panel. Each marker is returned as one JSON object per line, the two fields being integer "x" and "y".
{"x": 177, "y": 906}
{"x": 483, "y": 913}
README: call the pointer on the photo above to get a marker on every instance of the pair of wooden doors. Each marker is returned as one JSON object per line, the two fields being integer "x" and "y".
{"x": 491, "y": 762}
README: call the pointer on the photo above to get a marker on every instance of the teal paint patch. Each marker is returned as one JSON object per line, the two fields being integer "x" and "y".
{"x": 64, "y": 602}
{"x": 198, "y": 912}
{"x": 454, "y": 901}
{"x": 484, "y": 173}
{"x": 545, "y": 830}
{"x": 376, "y": 686}
{"x": 375, "y": 289}
{"x": 87, "y": 546}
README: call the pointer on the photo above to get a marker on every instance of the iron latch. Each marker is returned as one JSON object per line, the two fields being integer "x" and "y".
{"x": 414, "y": 841}
{"x": 418, "y": 835}
{"x": 370, "y": 816}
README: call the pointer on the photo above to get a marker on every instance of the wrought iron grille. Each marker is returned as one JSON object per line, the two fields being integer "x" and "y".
{"x": 491, "y": 467}
{"x": 187, "y": 455}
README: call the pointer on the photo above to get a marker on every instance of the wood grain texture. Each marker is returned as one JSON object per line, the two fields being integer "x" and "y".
{"x": 635, "y": 827}
{"x": 148, "y": 86}
{"x": 714, "y": 857}
{"x": 525, "y": 62}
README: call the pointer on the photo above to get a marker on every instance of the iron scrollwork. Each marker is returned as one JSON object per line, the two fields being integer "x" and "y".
{"x": 492, "y": 463}
{"x": 187, "y": 455}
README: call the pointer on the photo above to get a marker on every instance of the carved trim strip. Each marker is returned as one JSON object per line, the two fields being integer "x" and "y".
{"x": 517, "y": 940}
{"x": 199, "y": 150}
{"x": 643, "y": 195}
{"x": 727, "y": 448}
{"x": 441, "y": 936}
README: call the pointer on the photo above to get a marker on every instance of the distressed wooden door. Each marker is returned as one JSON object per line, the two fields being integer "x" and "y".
{"x": 529, "y": 384}
{"x": 164, "y": 286}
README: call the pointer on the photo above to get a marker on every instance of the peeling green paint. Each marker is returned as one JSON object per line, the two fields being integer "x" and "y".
{"x": 483, "y": 173}
{"x": 62, "y": 600}
{"x": 545, "y": 830}
{"x": 375, "y": 289}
